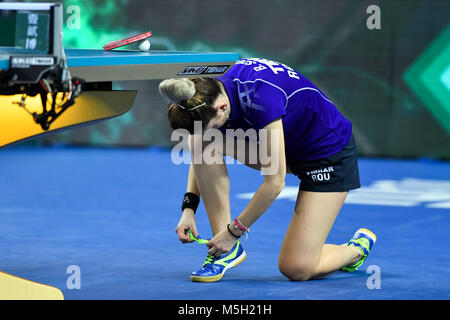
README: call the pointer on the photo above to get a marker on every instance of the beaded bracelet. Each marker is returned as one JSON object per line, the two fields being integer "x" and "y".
{"x": 240, "y": 226}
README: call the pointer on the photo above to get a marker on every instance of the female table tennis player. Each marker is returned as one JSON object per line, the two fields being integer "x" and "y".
{"x": 308, "y": 137}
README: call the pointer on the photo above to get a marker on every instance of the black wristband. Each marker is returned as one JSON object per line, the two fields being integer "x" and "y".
{"x": 228, "y": 227}
{"x": 190, "y": 200}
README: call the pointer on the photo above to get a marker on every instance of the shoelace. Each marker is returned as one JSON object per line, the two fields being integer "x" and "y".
{"x": 209, "y": 261}
{"x": 199, "y": 240}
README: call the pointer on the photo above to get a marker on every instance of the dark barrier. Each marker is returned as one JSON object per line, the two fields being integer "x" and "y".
{"x": 385, "y": 64}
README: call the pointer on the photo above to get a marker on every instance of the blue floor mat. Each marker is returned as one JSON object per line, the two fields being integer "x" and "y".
{"x": 112, "y": 214}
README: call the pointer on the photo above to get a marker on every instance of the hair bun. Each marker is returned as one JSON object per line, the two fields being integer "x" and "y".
{"x": 177, "y": 89}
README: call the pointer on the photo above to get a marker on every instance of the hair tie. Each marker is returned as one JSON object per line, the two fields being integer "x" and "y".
{"x": 200, "y": 105}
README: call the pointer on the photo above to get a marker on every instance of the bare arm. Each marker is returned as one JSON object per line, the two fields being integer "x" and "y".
{"x": 274, "y": 171}
{"x": 187, "y": 220}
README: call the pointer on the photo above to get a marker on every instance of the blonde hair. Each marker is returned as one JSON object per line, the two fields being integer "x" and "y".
{"x": 191, "y": 99}
{"x": 177, "y": 90}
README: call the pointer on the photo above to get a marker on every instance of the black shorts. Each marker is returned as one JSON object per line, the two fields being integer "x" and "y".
{"x": 336, "y": 173}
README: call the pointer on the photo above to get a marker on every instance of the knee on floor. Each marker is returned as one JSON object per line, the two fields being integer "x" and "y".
{"x": 296, "y": 271}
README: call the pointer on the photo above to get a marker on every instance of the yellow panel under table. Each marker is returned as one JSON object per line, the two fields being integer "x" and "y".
{"x": 17, "y": 124}
{"x": 15, "y": 288}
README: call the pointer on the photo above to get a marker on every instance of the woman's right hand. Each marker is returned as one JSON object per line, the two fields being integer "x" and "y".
{"x": 186, "y": 222}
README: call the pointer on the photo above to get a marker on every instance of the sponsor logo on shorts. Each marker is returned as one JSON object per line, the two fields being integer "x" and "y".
{"x": 322, "y": 174}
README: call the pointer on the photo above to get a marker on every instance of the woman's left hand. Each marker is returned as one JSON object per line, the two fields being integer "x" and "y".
{"x": 221, "y": 243}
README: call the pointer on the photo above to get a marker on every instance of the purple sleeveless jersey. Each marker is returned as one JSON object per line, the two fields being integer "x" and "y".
{"x": 261, "y": 91}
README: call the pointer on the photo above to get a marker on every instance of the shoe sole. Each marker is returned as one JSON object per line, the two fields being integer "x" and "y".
{"x": 368, "y": 233}
{"x": 216, "y": 278}
{"x": 365, "y": 231}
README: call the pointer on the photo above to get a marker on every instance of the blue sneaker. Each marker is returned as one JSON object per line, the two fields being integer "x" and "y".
{"x": 214, "y": 268}
{"x": 364, "y": 240}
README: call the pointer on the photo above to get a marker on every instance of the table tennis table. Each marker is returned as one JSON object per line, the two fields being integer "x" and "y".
{"x": 121, "y": 65}
{"x": 99, "y": 101}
